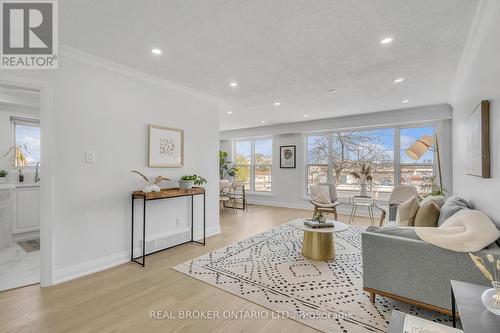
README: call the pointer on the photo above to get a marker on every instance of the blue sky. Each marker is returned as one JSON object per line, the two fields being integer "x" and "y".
{"x": 29, "y": 136}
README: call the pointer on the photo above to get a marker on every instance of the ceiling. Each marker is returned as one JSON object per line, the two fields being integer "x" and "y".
{"x": 283, "y": 50}
{"x": 19, "y": 100}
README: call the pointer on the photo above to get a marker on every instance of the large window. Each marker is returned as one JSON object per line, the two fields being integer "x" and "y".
{"x": 26, "y": 135}
{"x": 337, "y": 156}
{"x": 254, "y": 162}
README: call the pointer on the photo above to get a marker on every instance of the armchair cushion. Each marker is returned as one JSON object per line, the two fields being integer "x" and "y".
{"x": 320, "y": 194}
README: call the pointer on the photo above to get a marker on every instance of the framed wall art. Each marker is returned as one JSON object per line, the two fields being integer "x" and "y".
{"x": 478, "y": 141}
{"x": 288, "y": 158}
{"x": 166, "y": 147}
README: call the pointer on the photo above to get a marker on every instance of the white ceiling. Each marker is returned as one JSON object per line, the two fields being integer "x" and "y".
{"x": 283, "y": 50}
{"x": 19, "y": 100}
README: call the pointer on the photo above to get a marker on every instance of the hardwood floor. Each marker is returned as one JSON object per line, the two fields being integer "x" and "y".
{"x": 121, "y": 298}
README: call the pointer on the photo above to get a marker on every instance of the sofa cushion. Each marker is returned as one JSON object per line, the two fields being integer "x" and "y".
{"x": 394, "y": 231}
{"x": 427, "y": 215}
{"x": 437, "y": 199}
{"x": 452, "y": 205}
{"x": 407, "y": 211}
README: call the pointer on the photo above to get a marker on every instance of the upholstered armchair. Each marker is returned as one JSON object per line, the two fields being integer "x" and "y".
{"x": 324, "y": 198}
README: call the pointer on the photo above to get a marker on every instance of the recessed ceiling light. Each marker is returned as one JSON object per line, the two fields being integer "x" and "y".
{"x": 156, "y": 51}
{"x": 277, "y": 103}
{"x": 387, "y": 40}
{"x": 233, "y": 84}
{"x": 229, "y": 112}
{"x": 405, "y": 101}
{"x": 306, "y": 116}
{"x": 332, "y": 90}
{"x": 263, "y": 121}
{"x": 399, "y": 80}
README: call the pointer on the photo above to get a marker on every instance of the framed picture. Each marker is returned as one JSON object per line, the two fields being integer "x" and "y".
{"x": 478, "y": 141}
{"x": 166, "y": 147}
{"x": 287, "y": 157}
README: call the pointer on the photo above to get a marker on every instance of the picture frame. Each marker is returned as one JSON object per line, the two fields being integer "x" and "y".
{"x": 288, "y": 157}
{"x": 478, "y": 141}
{"x": 166, "y": 147}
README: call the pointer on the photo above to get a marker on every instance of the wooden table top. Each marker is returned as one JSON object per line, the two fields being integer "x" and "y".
{"x": 168, "y": 193}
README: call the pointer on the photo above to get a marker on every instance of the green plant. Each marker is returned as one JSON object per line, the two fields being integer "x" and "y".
{"x": 18, "y": 155}
{"x": 433, "y": 189}
{"x": 225, "y": 168}
{"x": 197, "y": 180}
{"x": 3, "y": 173}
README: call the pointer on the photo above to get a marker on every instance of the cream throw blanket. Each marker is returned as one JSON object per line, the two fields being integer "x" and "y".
{"x": 466, "y": 231}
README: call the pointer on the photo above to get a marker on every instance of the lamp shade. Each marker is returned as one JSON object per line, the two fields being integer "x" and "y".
{"x": 420, "y": 147}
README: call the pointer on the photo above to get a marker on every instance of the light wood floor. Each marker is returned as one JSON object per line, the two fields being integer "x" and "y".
{"x": 120, "y": 299}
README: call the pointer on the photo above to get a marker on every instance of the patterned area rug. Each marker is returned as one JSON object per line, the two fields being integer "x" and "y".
{"x": 268, "y": 269}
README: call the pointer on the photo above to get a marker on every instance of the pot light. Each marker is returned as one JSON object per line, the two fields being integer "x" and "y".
{"x": 405, "y": 101}
{"x": 306, "y": 116}
{"x": 399, "y": 80}
{"x": 233, "y": 84}
{"x": 277, "y": 103}
{"x": 263, "y": 121}
{"x": 156, "y": 51}
{"x": 229, "y": 112}
{"x": 332, "y": 90}
{"x": 387, "y": 40}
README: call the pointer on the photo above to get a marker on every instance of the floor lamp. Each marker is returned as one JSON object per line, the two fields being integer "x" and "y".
{"x": 424, "y": 144}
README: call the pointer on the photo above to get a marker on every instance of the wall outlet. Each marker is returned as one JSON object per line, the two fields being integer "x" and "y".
{"x": 90, "y": 156}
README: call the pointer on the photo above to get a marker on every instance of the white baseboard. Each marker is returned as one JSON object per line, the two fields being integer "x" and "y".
{"x": 100, "y": 264}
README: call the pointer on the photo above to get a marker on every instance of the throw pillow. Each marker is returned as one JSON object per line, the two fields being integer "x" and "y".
{"x": 407, "y": 211}
{"x": 320, "y": 194}
{"x": 437, "y": 199}
{"x": 427, "y": 215}
{"x": 452, "y": 205}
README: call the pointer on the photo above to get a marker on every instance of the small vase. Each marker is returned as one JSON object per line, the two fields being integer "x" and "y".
{"x": 363, "y": 192}
{"x": 185, "y": 184}
{"x": 2, "y": 180}
{"x": 491, "y": 298}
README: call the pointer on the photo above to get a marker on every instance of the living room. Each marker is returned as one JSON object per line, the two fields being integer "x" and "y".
{"x": 258, "y": 166}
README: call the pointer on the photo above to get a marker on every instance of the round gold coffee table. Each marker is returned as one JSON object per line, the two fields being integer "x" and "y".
{"x": 319, "y": 242}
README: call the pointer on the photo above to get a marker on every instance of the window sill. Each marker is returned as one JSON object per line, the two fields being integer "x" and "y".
{"x": 259, "y": 194}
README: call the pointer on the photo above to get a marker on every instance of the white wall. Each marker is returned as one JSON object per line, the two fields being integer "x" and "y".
{"x": 479, "y": 79}
{"x": 108, "y": 111}
{"x": 288, "y": 185}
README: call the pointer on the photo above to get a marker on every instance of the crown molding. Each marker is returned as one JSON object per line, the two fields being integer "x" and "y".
{"x": 482, "y": 20}
{"x": 90, "y": 59}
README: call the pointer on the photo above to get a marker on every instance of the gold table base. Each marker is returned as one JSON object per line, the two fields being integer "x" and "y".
{"x": 318, "y": 246}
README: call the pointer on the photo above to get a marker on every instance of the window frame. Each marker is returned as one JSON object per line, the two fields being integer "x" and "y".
{"x": 253, "y": 165}
{"x": 15, "y": 121}
{"x": 396, "y": 147}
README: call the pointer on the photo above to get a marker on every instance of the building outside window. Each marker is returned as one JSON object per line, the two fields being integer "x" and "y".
{"x": 254, "y": 162}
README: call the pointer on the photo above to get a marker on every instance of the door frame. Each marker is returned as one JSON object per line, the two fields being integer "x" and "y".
{"x": 46, "y": 186}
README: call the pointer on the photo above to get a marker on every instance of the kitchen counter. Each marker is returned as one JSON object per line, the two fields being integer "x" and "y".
{"x": 18, "y": 185}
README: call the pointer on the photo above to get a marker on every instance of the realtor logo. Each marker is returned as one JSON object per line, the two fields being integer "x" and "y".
{"x": 29, "y": 34}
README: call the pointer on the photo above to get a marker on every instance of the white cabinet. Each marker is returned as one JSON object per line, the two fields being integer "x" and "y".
{"x": 27, "y": 215}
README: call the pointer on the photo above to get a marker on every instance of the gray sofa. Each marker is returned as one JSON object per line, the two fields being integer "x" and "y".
{"x": 401, "y": 266}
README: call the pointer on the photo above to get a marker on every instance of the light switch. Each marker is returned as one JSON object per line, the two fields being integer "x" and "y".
{"x": 90, "y": 157}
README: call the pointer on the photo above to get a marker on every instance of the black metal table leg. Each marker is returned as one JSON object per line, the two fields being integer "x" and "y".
{"x": 132, "y": 235}
{"x": 144, "y": 234}
{"x": 453, "y": 308}
{"x": 192, "y": 219}
{"x": 204, "y": 231}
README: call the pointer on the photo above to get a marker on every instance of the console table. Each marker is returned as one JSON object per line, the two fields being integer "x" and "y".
{"x": 473, "y": 315}
{"x": 162, "y": 195}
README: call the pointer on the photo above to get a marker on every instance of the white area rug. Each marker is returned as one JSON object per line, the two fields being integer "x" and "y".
{"x": 269, "y": 270}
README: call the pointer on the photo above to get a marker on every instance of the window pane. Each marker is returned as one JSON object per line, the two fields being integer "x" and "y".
{"x": 374, "y": 148}
{"x": 29, "y": 137}
{"x": 243, "y": 174}
{"x": 263, "y": 178}
{"x": 263, "y": 152}
{"x": 408, "y": 137}
{"x": 317, "y": 149}
{"x": 418, "y": 175}
{"x": 243, "y": 152}
{"x": 316, "y": 174}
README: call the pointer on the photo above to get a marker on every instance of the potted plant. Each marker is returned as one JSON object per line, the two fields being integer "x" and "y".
{"x": 18, "y": 157}
{"x": 187, "y": 182}
{"x": 3, "y": 175}
{"x": 319, "y": 217}
{"x": 225, "y": 168}
{"x": 364, "y": 175}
